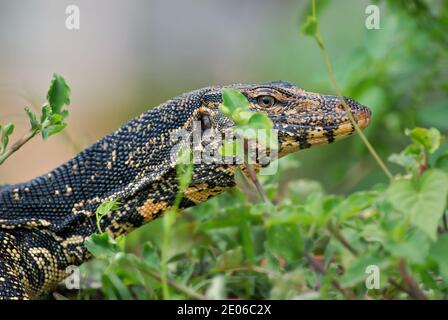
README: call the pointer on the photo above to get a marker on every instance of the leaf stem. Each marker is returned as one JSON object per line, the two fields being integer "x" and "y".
{"x": 332, "y": 76}
{"x": 253, "y": 175}
{"x": 17, "y": 145}
{"x": 412, "y": 287}
{"x": 317, "y": 266}
{"x": 337, "y": 234}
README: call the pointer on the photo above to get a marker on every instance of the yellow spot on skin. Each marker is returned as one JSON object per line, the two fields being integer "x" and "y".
{"x": 150, "y": 208}
{"x": 44, "y": 223}
{"x": 68, "y": 190}
{"x": 17, "y": 196}
{"x": 201, "y": 192}
{"x": 342, "y": 131}
{"x": 73, "y": 240}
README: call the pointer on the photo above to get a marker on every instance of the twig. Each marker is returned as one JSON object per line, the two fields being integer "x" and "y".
{"x": 337, "y": 234}
{"x": 414, "y": 290}
{"x": 64, "y": 133}
{"x": 186, "y": 290}
{"x": 399, "y": 286}
{"x": 320, "y": 269}
{"x": 332, "y": 76}
{"x": 256, "y": 182}
{"x": 253, "y": 176}
{"x": 17, "y": 145}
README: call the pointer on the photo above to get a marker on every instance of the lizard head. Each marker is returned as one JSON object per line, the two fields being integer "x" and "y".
{"x": 303, "y": 119}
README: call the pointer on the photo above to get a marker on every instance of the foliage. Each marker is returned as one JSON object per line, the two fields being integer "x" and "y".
{"x": 50, "y": 122}
{"x": 305, "y": 245}
{"x": 52, "y": 117}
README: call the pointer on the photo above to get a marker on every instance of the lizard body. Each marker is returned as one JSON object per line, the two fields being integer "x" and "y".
{"x": 45, "y": 221}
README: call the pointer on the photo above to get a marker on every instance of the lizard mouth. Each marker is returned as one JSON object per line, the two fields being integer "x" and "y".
{"x": 306, "y": 130}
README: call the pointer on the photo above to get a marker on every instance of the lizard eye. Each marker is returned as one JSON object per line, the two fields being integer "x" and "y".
{"x": 266, "y": 101}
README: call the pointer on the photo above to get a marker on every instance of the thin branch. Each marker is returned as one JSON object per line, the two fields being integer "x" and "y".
{"x": 253, "y": 176}
{"x": 17, "y": 145}
{"x": 337, "y": 234}
{"x": 332, "y": 76}
{"x": 399, "y": 286}
{"x": 414, "y": 290}
{"x": 316, "y": 265}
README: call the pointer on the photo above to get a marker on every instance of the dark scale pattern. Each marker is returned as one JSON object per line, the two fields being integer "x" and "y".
{"x": 44, "y": 222}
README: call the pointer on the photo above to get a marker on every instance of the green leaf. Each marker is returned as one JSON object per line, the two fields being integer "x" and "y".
{"x": 442, "y": 162}
{"x": 230, "y": 259}
{"x": 46, "y": 114}
{"x": 356, "y": 273}
{"x": 439, "y": 253}
{"x": 184, "y": 169}
{"x": 108, "y": 206}
{"x": 5, "y": 132}
{"x": 105, "y": 208}
{"x": 58, "y": 94}
{"x": 285, "y": 241}
{"x": 233, "y": 100}
{"x": 429, "y": 139}
{"x": 151, "y": 255}
{"x": 409, "y": 158}
{"x": 309, "y": 28}
{"x": 56, "y": 118}
{"x": 373, "y": 233}
{"x": 241, "y": 116}
{"x": 35, "y": 125}
{"x": 422, "y": 200}
{"x": 259, "y": 120}
{"x": 113, "y": 285}
{"x": 52, "y": 129}
{"x": 231, "y": 149}
{"x": 102, "y": 245}
{"x": 414, "y": 247}
{"x": 247, "y": 242}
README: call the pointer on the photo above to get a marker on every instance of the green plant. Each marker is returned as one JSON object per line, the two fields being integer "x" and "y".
{"x": 50, "y": 122}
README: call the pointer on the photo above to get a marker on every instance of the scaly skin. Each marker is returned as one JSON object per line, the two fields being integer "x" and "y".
{"x": 44, "y": 222}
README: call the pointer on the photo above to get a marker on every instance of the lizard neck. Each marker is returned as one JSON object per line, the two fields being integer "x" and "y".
{"x": 131, "y": 165}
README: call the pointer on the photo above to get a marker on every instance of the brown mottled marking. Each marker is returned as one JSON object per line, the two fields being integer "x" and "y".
{"x": 201, "y": 192}
{"x": 150, "y": 209}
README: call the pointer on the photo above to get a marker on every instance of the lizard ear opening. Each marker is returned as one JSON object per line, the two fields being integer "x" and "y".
{"x": 206, "y": 121}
